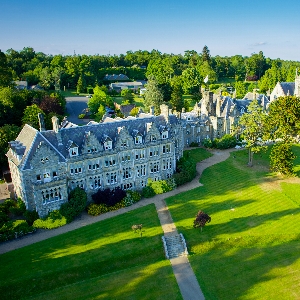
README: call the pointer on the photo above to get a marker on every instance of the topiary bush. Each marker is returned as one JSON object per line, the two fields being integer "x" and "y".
{"x": 207, "y": 143}
{"x": 54, "y": 220}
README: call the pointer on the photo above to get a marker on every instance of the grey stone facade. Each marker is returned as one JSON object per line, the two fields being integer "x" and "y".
{"x": 47, "y": 164}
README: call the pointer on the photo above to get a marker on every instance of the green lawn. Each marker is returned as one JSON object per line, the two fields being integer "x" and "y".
{"x": 105, "y": 260}
{"x": 250, "y": 250}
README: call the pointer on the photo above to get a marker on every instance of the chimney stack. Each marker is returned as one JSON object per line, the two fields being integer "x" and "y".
{"x": 41, "y": 122}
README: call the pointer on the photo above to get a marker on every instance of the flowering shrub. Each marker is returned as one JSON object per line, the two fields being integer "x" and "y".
{"x": 98, "y": 209}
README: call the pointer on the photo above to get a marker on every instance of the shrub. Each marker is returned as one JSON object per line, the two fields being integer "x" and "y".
{"x": 81, "y": 116}
{"x": 207, "y": 143}
{"x": 3, "y": 218}
{"x": 4, "y": 207}
{"x": 18, "y": 209}
{"x": 97, "y": 209}
{"x": 31, "y": 216}
{"x": 131, "y": 197}
{"x": 54, "y": 220}
{"x": 148, "y": 192}
{"x": 226, "y": 142}
{"x": 194, "y": 144}
{"x": 186, "y": 170}
{"x": 75, "y": 205}
{"x": 108, "y": 196}
{"x": 14, "y": 229}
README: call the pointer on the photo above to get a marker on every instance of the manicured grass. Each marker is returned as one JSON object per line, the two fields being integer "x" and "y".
{"x": 197, "y": 154}
{"x": 105, "y": 260}
{"x": 250, "y": 250}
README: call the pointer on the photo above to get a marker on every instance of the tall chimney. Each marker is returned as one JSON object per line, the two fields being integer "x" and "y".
{"x": 55, "y": 123}
{"x": 41, "y": 122}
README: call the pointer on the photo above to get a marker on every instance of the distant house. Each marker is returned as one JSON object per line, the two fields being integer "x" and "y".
{"x": 114, "y": 77}
{"x": 119, "y": 86}
{"x": 21, "y": 84}
{"x": 282, "y": 89}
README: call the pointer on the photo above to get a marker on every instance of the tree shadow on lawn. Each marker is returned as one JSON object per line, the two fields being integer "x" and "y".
{"x": 256, "y": 272}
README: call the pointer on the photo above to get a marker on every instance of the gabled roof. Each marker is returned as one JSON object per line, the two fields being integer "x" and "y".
{"x": 288, "y": 87}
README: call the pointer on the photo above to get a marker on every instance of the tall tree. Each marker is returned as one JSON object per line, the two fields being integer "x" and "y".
{"x": 153, "y": 96}
{"x": 5, "y": 72}
{"x": 7, "y": 133}
{"x": 191, "y": 80}
{"x": 177, "y": 93}
{"x": 206, "y": 54}
{"x": 252, "y": 126}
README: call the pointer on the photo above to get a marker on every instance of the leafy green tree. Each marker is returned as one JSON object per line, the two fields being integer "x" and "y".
{"x": 31, "y": 116}
{"x": 206, "y": 54}
{"x": 101, "y": 112}
{"x": 8, "y": 133}
{"x": 177, "y": 100}
{"x": 134, "y": 111}
{"x": 191, "y": 80}
{"x": 252, "y": 126}
{"x": 127, "y": 96}
{"x": 240, "y": 89}
{"x": 99, "y": 98}
{"x": 205, "y": 69}
{"x": 284, "y": 118}
{"x": 238, "y": 66}
{"x": 5, "y": 72}
{"x": 281, "y": 159}
{"x": 153, "y": 96}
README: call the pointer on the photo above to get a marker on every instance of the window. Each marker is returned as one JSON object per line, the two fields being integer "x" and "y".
{"x": 73, "y": 151}
{"x": 54, "y": 174}
{"x": 127, "y": 186}
{"x": 138, "y": 139}
{"x": 165, "y": 135}
{"x": 111, "y": 178}
{"x": 38, "y": 177}
{"x": 92, "y": 150}
{"x": 51, "y": 195}
{"x": 152, "y": 138}
{"x": 166, "y": 148}
{"x": 207, "y": 128}
{"x": 124, "y": 143}
{"x": 108, "y": 145}
{"x": 47, "y": 177}
{"x": 154, "y": 167}
{"x": 126, "y": 173}
{"x": 198, "y": 129}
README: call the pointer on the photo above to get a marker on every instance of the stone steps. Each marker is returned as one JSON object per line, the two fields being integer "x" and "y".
{"x": 174, "y": 246}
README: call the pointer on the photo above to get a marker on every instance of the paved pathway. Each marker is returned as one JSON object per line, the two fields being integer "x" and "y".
{"x": 183, "y": 272}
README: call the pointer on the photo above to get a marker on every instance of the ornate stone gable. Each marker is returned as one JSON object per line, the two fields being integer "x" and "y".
{"x": 91, "y": 144}
{"x": 124, "y": 139}
{"x": 44, "y": 157}
{"x": 153, "y": 134}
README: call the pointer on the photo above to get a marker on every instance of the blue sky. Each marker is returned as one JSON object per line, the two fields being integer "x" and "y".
{"x": 113, "y": 27}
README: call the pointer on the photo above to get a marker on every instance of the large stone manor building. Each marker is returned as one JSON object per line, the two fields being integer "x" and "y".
{"x": 47, "y": 164}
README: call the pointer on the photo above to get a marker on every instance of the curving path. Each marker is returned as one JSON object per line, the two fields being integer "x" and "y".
{"x": 186, "y": 279}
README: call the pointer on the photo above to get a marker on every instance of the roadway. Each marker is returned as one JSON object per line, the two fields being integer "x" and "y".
{"x": 75, "y": 107}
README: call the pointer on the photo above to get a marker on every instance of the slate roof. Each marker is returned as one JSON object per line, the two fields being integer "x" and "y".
{"x": 288, "y": 87}
{"x": 100, "y": 130}
{"x": 115, "y": 77}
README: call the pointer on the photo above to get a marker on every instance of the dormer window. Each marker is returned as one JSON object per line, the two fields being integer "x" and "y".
{"x": 108, "y": 145}
{"x": 73, "y": 151}
{"x": 138, "y": 139}
{"x": 164, "y": 135}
